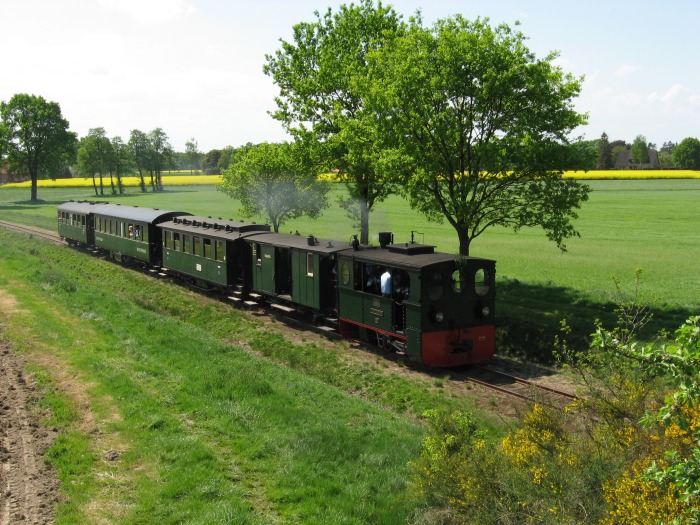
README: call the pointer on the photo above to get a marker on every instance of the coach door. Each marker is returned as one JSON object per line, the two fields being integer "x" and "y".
{"x": 265, "y": 260}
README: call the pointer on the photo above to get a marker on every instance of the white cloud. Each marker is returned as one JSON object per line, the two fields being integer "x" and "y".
{"x": 674, "y": 93}
{"x": 626, "y": 69}
{"x": 150, "y": 12}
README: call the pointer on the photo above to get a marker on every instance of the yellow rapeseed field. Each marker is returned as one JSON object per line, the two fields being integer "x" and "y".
{"x": 189, "y": 180}
{"x": 168, "y": 180}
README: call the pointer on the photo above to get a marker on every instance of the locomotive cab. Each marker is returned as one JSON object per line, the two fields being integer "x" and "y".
{"x": 458, "y": 302}
{"x": 435, "y": 307}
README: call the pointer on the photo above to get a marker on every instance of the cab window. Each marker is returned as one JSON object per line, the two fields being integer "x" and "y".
{"x": 459, "y": 281}
{"x": 436, "y": 286}
{"x": 481, "y": 282}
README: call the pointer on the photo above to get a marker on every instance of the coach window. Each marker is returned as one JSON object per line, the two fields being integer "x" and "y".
{"x": 186, "y": 243}
{"x": 220, "y": 252}
{"x": 207, "y": 248}
{"x": 137, "y": 232}
{"x": 176, "y": 242}
{"x": 82, "y": 220}
{"x": 168, "y": 239}
{"x": 196, "y": 244}
{"x": 481, "y": 282}
{"x": 309, "y": 264}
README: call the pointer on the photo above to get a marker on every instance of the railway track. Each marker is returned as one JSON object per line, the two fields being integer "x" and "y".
{"x": 32, "y": 232}
{"x": 507, "y": 384}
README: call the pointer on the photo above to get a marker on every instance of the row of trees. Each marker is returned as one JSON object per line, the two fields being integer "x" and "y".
{"x": 145, "y": 153}
{"x": 461, "y": 118}
{"x": 35, "y": 142}
{"x": 683, "y": 155}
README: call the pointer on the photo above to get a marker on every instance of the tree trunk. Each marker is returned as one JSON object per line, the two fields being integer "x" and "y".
{"x": 364, "y": 222}
{"x": 94, "y": 185}
{"x": 464, "y": 240}
{"x": 35, "y": 193}
{"x": 142, "y": 182}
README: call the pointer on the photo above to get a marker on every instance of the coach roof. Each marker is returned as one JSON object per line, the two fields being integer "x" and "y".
{"x": 83, "y": 207}
{"x": 301, "y": 242}
{"x": 136, "y": 213}
{"x": 218, "y": 228}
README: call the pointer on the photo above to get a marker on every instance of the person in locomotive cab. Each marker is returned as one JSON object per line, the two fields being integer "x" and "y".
{"x": 386, "y": 283}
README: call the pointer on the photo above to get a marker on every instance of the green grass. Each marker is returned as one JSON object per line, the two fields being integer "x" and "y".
{"x": 208, "y": 432}
{"x": 220, "y": 419}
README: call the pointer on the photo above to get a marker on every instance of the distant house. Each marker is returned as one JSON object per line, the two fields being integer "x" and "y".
{"x": 624, "y": 161}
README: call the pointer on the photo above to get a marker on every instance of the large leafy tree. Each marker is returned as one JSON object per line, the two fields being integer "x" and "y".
{"x": 639, "y": 153}
{"x": 210, "y": 162}
{"x": 95, "y": 156}
{"x": 272, "y": 181}
{"x": 321, "y": 102}
{"x": 160, "y": 157}
{"x": 483, "y": 127}
{"x": 192, "y": 155}
{"x": 686, "y": 155}
{"x": 122, "y": 162}
{"x": 139, "y": 146}
{"x": 604, "y": 161}
{"x": 34, "y": 137}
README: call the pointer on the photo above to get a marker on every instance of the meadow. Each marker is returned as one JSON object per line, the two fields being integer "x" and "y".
{"x": 627, "y": 225}
{"x": 217, "y": 416}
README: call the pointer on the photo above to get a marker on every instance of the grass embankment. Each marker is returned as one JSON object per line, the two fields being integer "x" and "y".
{"x": 175, "y": 408}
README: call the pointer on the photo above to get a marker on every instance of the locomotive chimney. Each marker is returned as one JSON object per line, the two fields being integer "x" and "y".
{"x": 385, "y": 238}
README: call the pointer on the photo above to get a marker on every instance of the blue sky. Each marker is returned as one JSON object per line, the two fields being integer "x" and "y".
{"x": 194, "y": 67}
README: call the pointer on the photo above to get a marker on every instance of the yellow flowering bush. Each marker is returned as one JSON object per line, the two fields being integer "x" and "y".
{"x": 635, "y": 501}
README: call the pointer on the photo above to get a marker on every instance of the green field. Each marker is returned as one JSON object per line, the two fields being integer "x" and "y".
{"x": 220, "y": 417}
{"x": 651, "y": 225}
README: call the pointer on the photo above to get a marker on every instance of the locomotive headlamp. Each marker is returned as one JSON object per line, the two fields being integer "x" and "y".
{"x": 439, "y": 317}
{"x": 485, "y": 311}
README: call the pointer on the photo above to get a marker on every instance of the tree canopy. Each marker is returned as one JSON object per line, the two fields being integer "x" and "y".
{"x": 482, "y": 127}
{"x": 34, "y": 137}
{"x": 686, "y": 155}
{"x": 95, "y": 157}
{"x": 270, "y": 180}
{"x": 322, "y": 97}
{"x": 639, "y": 152}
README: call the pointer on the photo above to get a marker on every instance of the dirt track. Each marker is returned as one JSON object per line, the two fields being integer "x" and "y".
{"x": 28, "y": 486}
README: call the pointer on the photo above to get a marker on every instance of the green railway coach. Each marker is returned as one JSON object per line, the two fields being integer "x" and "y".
{"x": 76, "y": 222}
{"x": 130, "y": 233}
{"x": 207, "y": 252}
{"x": 297, "y": 270}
